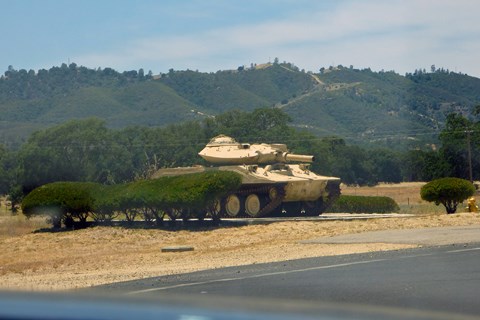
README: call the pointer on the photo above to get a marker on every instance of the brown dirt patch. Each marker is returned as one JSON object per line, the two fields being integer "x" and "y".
{"x": 402, "y": 193}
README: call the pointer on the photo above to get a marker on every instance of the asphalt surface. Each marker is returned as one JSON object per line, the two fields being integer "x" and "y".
{"x": 441, "y": 281}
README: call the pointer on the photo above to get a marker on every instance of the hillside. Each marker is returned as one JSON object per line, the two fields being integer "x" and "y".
{"x": 360, "y": 105}
{"x": 385, "y": 107}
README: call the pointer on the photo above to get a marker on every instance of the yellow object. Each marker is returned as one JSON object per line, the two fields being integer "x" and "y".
{"x": 471, "y": 206}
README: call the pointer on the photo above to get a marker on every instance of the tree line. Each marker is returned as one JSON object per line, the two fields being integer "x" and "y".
{"x": 88, "y": 151}
{"x": 23, "y": 84}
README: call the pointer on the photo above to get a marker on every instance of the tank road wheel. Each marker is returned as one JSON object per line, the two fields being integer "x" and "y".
{"x": 273, "y": 193}
{"x": 253, "y": 205}
{"x": 233, "y": 205}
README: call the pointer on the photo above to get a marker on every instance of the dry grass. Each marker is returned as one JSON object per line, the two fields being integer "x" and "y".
{"x": 406, "y": 194}
{"x": 16, "y": 225}
{"x": 402, "y": 193}
{"x": 71, "y": 259}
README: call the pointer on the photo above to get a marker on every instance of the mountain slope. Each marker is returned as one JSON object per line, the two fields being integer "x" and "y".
{"x": 367, "y": 106}
{"x": 359, "y": 105}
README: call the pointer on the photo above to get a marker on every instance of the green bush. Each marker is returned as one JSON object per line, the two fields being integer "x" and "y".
{"x": 106, "y": 207}
{"x": 61, "y": 201}
{"x": 363, "y": 204}
{"x": 187, "y": 196}
{"x": 447, "y": 191}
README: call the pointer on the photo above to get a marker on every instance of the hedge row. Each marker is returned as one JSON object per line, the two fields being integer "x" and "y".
{"x": 178, "y": 197}
{"x": 363, "y": 204}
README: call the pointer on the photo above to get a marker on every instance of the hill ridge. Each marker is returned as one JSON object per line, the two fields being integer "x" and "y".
{"x": 362, "y": 105}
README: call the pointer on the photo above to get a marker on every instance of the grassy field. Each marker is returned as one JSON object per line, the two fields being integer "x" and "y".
{"x": 406, "y": 194}
{"x": 13, "y": 225}
{"x": 37, "y": 259}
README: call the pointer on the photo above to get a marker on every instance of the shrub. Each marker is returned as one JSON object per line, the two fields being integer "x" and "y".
{"x": 447, "y": 191}
{"x": 61, "y": 201}
{"x": 363, "y": 204}
{"x": 105, "y": 207}
{"x": 188, "y": 194}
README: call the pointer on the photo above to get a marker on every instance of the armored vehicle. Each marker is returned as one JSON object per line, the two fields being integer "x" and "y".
{"x": 271, "y": 185}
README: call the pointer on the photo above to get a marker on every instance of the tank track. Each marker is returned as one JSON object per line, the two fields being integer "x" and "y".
{"x": 333, "y": 191}
{"x": 267, "y": 204}
{"x": 313, "y": 208}
{"x": 293, "y": 209}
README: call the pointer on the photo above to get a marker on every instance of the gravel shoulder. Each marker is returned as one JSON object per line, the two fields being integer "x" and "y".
{"x": 439, "y": 236}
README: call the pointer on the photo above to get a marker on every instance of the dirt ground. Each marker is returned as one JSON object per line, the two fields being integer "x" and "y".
{"x": 73, "y": 259}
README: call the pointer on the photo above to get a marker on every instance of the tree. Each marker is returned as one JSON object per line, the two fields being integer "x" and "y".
{"x": 15, "y": 196}
{"x": 386, "y": 166}
{"x": 78, "y": 150}
{"x": 459, "y": 136}
{"x": 141, "y": 74}
{"x": 419, "y": 165}
{"x": 447, "y": 191}
{"x": 476, "y": 110}
{"x": 6, "y": 169}
{"x": 62, "y": 202}
{"x": 268, "y": 125}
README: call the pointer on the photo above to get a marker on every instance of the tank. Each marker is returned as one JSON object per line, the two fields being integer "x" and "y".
{"x": 271, "y": 184}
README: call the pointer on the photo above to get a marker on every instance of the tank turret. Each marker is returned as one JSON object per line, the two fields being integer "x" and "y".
{"x": 224, "y": 150}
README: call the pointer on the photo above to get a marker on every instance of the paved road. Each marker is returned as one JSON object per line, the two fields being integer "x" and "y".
{"x": 434, "y": 279}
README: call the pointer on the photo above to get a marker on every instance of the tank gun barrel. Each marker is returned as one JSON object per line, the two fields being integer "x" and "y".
{"x": 298, "y": 157}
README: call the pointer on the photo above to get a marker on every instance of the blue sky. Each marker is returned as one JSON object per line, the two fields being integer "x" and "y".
{"x": 211, "y": 35}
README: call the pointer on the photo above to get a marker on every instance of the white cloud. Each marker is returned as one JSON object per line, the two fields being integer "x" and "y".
{"x": 399, "y": 35}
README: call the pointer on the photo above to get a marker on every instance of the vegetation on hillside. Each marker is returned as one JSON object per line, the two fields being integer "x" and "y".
{"x": 363, "y": 107}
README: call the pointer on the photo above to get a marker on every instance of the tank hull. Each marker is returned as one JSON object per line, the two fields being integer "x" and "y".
{"x": 273, "y": 190}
